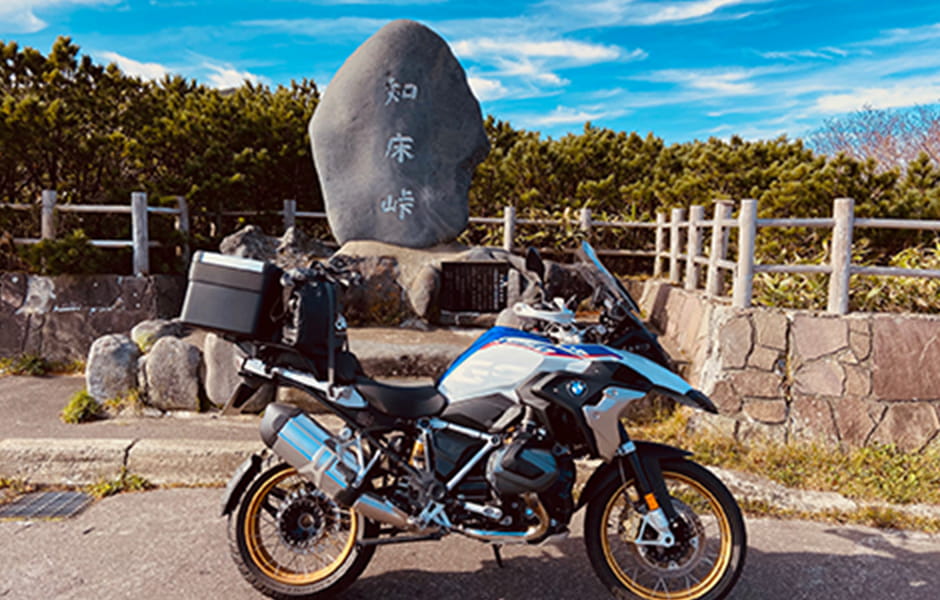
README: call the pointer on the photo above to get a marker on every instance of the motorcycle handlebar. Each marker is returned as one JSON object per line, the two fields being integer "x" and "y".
{"x": 563, "y": 316}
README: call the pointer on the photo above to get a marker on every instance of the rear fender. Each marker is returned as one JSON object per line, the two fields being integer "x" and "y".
{"x": 651, "y": 456}
{"x": 243, "y": 476}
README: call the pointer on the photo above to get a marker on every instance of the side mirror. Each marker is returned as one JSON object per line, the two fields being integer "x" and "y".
{"x": 533, "y": 262}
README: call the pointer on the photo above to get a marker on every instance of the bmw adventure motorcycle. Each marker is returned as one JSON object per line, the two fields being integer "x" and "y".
{"x": 487, "y": 452}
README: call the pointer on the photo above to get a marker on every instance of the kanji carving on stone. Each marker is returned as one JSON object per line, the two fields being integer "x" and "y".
{"x": 400, "y": 147}
{"x": 402, "y": 205}
{"x": 396, "y": 91}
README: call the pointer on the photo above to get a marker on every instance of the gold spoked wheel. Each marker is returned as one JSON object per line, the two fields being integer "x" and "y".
{"x": 292, "y": 540}
{"x": 705, "y": 559}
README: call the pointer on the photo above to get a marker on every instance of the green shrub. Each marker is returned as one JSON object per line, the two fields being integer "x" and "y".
{"x": 82, "y": 407}
{"x": 73, "y": 255}
{"x": 25, "y": 364}
{"x": 37, "y": 366}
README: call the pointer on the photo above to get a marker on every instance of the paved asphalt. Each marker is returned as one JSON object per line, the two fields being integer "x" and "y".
{"x": 171, "y": 543}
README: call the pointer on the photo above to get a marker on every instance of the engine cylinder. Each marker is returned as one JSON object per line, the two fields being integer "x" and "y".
{"x": 519, "y": 468}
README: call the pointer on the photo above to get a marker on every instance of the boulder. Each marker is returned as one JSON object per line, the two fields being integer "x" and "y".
{"x": 249, "y": 242}
{"x": 112, "y": 367}
{"x": 174, "y": 375}
{"x": 295, "y": 249}
{"x": 146, "y": 333}
{"x": 395, "y": 140}
{"x": 223, "y": 360}
{"x": 292, "y": 250}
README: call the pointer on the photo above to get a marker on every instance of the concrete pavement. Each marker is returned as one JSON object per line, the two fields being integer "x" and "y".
{"x": 204, "y": 449}
{"x": 171, "y": 543}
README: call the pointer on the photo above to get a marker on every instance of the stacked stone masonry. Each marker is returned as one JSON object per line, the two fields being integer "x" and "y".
{"x": 59, "y": 317}
{"x": 797, "y": 375}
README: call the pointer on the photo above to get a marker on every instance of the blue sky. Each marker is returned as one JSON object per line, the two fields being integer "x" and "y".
{"x": 681, "y": 70}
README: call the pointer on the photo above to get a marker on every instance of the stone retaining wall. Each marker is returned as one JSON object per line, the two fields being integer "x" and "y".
{"x": 59, "y": 317}
{"x": 796, "y": 375}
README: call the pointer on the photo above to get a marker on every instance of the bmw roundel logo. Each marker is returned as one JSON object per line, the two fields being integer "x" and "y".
{"x": 576, "y": 387}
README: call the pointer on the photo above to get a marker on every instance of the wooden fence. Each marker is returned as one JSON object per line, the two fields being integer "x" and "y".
{"x": 678, "y": 252}
{"x": 140, "y": 231}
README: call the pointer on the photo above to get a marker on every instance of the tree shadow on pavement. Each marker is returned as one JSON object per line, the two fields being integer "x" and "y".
{"x": 879, "y": 569}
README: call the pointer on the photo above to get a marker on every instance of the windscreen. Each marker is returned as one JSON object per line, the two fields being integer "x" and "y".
{"x": 605, "y": 277}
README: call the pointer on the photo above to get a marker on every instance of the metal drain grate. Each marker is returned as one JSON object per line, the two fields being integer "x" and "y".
{"x": 45, "y": 505}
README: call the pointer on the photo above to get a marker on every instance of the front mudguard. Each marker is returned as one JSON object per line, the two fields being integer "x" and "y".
{"x": 651, "y": 456}
{"x": 241, "y": 479}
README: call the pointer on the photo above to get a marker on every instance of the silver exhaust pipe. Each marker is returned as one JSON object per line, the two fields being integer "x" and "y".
{"x": 320, "y": 457}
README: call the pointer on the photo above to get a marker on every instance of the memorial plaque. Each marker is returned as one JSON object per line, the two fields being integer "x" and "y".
{"x": 474, "y": 286}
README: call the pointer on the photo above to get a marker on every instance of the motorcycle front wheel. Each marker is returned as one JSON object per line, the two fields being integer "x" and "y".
{"x": 290, "y": 540}
{"x": 704, "y": 562}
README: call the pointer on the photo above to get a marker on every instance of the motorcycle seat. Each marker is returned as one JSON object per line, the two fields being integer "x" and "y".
{"x": 407, "y": 402}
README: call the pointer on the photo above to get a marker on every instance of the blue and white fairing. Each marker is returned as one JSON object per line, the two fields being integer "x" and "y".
{"x": 503, "y": 358}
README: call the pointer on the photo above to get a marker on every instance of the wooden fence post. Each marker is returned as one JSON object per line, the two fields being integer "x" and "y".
{"x": 290, "y": 214}
{"x": 509, "y": 227}
{"x": 586, "y": 222}
{"x": 182, "y": 225}
{"x": 843, "y": 213}
{"x": 139, "y": 233}
{"x": 675, "y": 227}
{"x": 719, "y": 247}
{"x": 660, "y": 244}
{"x": 48, "y": 220}
{"x": 747, "y": 233}
{"x": 693, "y": 246}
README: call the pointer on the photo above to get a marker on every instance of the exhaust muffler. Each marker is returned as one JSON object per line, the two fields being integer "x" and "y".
{"x": 319, "y": 456}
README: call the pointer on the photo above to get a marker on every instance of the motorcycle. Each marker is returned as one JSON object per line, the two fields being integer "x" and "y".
{"x": 487, "y": 452}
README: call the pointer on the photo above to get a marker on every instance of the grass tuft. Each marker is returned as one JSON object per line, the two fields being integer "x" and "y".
{"x": 81, "y": 408}
{"x": 125, "y": 482}
{"x": 130, "y": 401}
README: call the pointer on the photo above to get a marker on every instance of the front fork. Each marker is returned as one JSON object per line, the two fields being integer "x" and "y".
{"x": 660, "y": 516}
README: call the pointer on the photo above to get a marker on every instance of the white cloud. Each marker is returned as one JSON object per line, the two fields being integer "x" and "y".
{"x": 879, "y": 97}
{"x": 836, "y": 51}
{"x": 527, "y": 67}
{"x": 721, "y": 83}
{"x": 564, "y": 115}
{"x": 579, "y": 52}
{"x": 908, "y": 36}
{"x": 135, "y": 68}
{"x": 674, "y": 12}
{"x": 17, "y": 16}
{"x": 487, "y": 89}
{"x": 529, "y": 70}
{"x": 608, "y": 13}
{"x": 208, "y": 71}
{"x": 227, "y": 76}
{"x": 827, "y": 53}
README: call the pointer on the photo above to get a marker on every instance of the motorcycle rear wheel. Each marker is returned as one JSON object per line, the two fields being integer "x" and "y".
{"x": 289, "y": 540}
{"x": 703, "y": 566}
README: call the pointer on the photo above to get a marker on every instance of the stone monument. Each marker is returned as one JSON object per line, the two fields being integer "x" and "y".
{"x": 395, "y": 140}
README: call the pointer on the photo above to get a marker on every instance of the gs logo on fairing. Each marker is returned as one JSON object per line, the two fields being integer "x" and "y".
{"x": 576, "y": 387}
